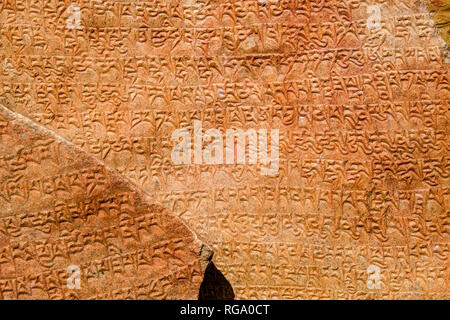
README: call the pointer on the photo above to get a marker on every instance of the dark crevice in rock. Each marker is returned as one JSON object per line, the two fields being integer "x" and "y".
{"x": 215, "y": 286}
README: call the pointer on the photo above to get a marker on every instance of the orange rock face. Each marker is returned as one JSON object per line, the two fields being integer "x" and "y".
{"x": 71, "y": 228}
{"x": 339, "y": 188}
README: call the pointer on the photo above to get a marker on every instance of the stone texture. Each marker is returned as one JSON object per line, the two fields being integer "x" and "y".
{"x": 360, "y": 205}
{"x": 440, "y": 12}
{"x": 61, "y": 208}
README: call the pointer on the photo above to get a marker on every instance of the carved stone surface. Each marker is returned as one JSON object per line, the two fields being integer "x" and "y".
{"x": 64, "y": 215}
{"x": 358, "y": 89}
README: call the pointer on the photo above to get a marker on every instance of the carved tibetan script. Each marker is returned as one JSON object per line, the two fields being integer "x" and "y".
{"x": 305, "y": 141}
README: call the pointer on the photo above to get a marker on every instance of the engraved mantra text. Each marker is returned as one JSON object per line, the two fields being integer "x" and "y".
{"x": 213, "y": 153}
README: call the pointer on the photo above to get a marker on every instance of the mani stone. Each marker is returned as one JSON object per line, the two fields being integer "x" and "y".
{"x": 65, "y": 215}
{"x": 357, "y": 89}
